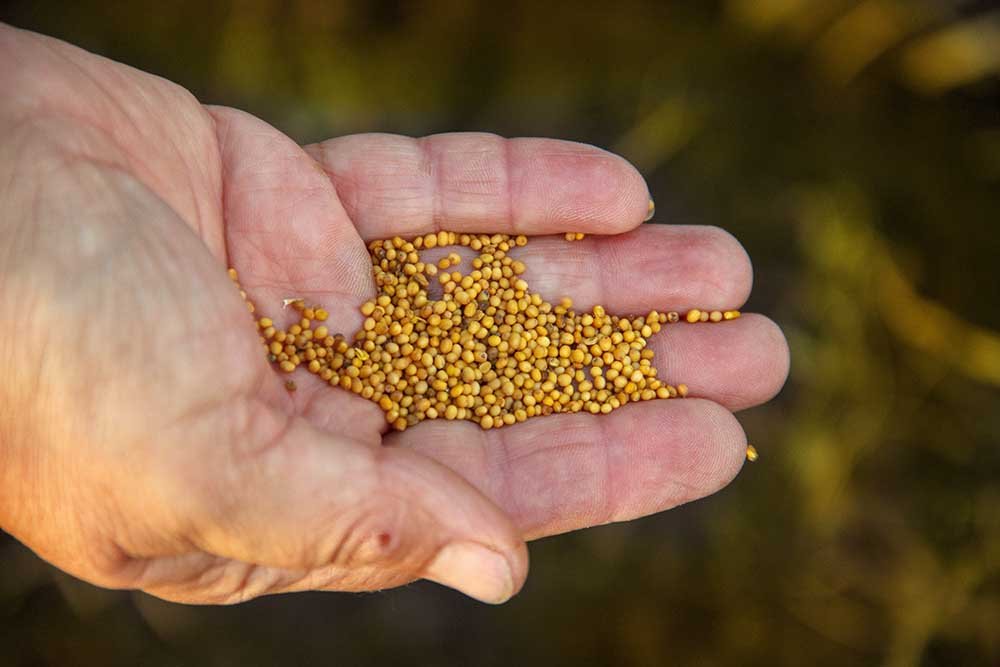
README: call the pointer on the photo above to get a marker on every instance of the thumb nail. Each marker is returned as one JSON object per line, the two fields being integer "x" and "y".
{"x": 473, "y": 569}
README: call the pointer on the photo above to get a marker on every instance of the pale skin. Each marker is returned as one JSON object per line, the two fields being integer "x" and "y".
{"x": 145, "y": 441}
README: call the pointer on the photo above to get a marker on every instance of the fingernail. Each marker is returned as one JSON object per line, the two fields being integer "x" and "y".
{"x": 473, "y": 569}
{"x": 650, "y": 211}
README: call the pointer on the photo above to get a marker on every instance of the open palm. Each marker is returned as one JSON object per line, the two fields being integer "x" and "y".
{"x": 152, "y": 446}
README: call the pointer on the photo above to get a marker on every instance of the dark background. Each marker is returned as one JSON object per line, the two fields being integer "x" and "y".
{"x": 854, "y": 148}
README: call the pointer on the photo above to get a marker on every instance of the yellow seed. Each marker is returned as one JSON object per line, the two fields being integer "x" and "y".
{"x": 487, "y": 350}
{"x": 693, "y": 315}
{"x": 751, "y": 453}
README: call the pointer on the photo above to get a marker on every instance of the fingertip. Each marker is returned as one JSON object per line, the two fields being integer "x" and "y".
{"x": 728, "y": 451}
{"x": 740, "y": 274}
{"x": 781, "y": 353}
{"x": 475, "y": 570}
{"x": 739, "y": 364}
{"x": 483, "y": 555}
{"x": 520, "y": 563}
{"x": 705, "y": 443}
{"x": 635, "y": 203}
{"x": 763, "y": 369}
{"x": 683, "y": 266}
{"x": 567, "y": 186}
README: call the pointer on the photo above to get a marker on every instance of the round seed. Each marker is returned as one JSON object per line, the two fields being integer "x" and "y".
{"x": 487, "y": 350}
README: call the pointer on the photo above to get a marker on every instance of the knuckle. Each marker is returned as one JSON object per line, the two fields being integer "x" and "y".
{"x": 385, "y": 534}
{"x": 106, "y": 564}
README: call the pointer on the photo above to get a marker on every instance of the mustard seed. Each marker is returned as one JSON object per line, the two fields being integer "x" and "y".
{"x": 488, "y": 350}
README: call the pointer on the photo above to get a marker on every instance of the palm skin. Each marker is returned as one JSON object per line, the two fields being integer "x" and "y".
{"x": 145, "y": 442}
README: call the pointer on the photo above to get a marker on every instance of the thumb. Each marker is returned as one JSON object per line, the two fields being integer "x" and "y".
{"x": 373, "y": 516}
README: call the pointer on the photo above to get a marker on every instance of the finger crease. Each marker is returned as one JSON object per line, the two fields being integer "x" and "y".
{"x": 502, "y": 463}
{"x": 609, "y": 510}
{"x": 432, "y": 164}
{"x": 509, "y": 186}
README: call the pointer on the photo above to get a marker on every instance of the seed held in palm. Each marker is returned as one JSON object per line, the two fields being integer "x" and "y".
{"x": 488, "y": 350}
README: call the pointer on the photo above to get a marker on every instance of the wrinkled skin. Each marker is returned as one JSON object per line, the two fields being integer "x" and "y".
{"x": 146, "y": 443}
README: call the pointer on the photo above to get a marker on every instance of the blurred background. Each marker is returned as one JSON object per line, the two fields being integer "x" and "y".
{"x": 852, "y": 146}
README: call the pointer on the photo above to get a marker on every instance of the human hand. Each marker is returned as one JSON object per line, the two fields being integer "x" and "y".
{"x": 145, "y": 442}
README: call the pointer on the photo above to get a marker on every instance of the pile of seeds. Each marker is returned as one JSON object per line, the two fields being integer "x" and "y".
{"x": 489, "y": 350}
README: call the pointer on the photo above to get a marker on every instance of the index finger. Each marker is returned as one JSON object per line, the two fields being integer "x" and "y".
{"x": 476, "y": 182}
